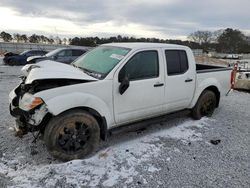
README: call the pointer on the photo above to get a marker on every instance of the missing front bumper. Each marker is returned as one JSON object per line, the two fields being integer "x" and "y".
{"x": 29, "y": 121}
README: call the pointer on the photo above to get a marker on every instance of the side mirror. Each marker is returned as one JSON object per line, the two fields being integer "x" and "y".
{"x": 54, "y": 57}
{"x": 124, "y": 85}
{"x": 124, "y": 80}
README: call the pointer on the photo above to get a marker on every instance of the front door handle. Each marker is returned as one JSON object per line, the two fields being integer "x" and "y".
{"x": 189, "y": 80}
{"x": 158, "y": 85}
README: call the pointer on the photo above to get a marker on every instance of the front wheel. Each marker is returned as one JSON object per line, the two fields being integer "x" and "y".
{"x": 205, "y": 105}
{"x": 72, "y": 135}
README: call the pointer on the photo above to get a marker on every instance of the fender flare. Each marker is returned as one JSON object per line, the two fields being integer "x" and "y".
{"x": 207, "y": 83}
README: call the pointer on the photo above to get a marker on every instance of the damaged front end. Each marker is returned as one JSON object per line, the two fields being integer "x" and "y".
{"x": 31, "y": 112}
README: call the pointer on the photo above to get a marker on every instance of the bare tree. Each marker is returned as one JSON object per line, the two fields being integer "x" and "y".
{"x": 216, "y": 34}
{"x": 17, "y": 37}
{"x": 58, "y": 40}
{"x": 24, "y": 38}
{"x": 65, "y": 41}
{"x": 51, "y": 40}
{"x": 201, "y": 37}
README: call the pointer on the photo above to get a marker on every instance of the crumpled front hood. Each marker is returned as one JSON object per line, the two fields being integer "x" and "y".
{"x": 53, "y": 70}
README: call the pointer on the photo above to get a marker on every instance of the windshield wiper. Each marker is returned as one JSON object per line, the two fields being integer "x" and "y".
{"x": 74, "y": 65}
{"x": 88, "y": 72}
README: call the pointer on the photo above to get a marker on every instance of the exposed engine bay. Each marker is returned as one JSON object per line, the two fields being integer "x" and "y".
{"x": 35, "y": 119}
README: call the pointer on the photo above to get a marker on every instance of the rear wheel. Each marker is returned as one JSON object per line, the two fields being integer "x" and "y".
{"x": 205, "y": 105}
{"x": 72, "y": 135}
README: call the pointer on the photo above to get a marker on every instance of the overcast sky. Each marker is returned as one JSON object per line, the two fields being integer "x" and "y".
{"x": 140, "y": 18}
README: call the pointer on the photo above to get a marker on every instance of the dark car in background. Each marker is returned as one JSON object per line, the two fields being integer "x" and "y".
{"x": 21, "y": 59}
{"x": 63, "y": 55}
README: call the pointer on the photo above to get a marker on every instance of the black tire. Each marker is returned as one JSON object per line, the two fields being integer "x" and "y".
{"x": 205, "y": 105}
{"x": 12, "y": 62}
{"x": 74, "y": 134}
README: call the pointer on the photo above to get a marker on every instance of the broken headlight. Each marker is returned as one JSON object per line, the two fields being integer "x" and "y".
{"x": 29, "y": 102}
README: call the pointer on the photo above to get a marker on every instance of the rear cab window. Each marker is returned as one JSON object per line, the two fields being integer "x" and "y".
{"x": 177, "y": 62}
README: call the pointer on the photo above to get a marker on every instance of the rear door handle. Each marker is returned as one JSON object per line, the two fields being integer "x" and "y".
{"x": 189, "y": 80}
{"x": 158, "y": 85}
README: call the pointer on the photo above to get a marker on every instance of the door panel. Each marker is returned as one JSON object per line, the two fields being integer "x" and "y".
{"x": 144, "y": 96}
{"x": 180, "y": 80}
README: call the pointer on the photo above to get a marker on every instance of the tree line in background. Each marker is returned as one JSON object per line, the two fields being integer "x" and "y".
{"x": 16, "y": 37}
{"x": 225, "y": 41}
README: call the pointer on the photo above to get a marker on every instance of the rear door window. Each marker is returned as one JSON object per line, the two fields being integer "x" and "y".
{"x": 177, "y": 62}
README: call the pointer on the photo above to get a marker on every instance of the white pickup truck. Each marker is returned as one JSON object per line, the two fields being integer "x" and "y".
{"x": 74, "y": 106}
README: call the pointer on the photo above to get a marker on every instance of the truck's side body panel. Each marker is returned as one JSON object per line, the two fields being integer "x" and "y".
{"x": 219, "y": 79}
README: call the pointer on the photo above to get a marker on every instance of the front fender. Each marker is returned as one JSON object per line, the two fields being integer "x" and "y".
{"x": 65, "y": 102}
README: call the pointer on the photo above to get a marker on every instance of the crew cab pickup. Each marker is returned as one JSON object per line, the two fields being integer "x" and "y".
{"x": 74, "y": 106}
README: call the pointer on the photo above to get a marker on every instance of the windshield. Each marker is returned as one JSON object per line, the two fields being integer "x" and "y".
{"x": 101, "y": 60}
{"x": 52, "y": 53}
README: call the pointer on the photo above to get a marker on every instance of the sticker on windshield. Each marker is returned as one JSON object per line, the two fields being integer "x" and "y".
{"x": 117, "y": 56}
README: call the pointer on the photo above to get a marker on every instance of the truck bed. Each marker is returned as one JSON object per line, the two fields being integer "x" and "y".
{"x": 201, "y": 68}
{"x": 211, "y": 73}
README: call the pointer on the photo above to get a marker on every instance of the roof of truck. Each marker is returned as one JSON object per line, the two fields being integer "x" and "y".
{"x": 138, "y": 45}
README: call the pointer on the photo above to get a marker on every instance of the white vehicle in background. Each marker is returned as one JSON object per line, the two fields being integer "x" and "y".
{"x": 233, "y": 56}
{"x": 115, "y": 84}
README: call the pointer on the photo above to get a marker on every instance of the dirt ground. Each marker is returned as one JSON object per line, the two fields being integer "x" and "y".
{"x": 211, "y": 61}
{"x": 177, "y": 152}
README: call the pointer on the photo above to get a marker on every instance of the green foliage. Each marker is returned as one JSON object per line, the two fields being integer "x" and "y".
{"x": 225, "y": 41}
{"x": 94, "y": 41}
{"x": 34, "y": 38}
{"x": 5, "y": 36}
{"x": 24, "y": 38}
{"x": 231, "y": 41}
